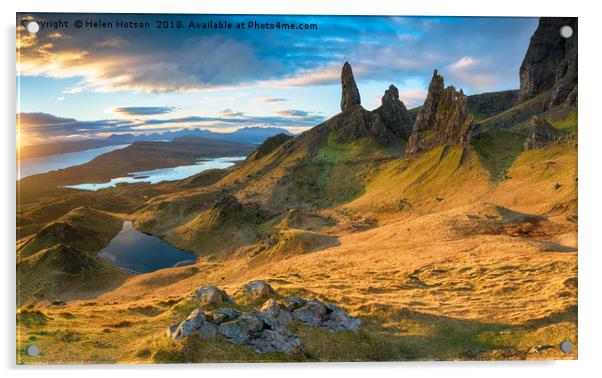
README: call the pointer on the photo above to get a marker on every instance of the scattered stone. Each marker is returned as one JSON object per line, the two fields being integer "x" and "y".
{"x": 276, "y": 341}
{"x": 271, "y": 308}
{"x": 403, "y": 204}
{"x": 540, "y": 348}
{"x": 172, "y": 329}
{"x": 337, "y": 319}
{"x": 240, "y": 329}
{"x": 224, "y": 314}
{"x": 207, "y": 330}
{"x": 557, "y": 186}
{"x": 351, "y": 95}
{"x": 311, "y": 313}
{"x": 213, "y": 295}
{"x": 292, "y": 303}
{"x": 258, "y": 289}
{"x": 191, "y": 324}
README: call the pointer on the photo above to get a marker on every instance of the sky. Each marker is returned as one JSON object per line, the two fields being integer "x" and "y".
{"x": 88, "y": 82}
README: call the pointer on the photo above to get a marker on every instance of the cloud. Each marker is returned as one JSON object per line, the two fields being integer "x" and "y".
{"x": 270, "y": 100}
{"x": 292, "y": 113}
{"x": 113, "y": 42}
{"x": 35, "y": 128}
{"x": 412, "y": 98}
{"x": 475, "y": 73}
{"x": 229, "y": 113}
{"x": 379, "y": 48}
{"x": 142, "y": 110}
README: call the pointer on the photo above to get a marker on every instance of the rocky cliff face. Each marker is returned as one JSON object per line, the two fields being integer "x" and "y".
{"x": 394, "y": 114}
{"x": 540, "y": 133}
{"x": 443, "y": 119}
{"x": 351, "y": 95}
{"x": 550, "y": 63}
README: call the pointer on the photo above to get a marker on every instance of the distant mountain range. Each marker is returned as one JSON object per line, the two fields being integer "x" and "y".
{"x": 251, "y": 135}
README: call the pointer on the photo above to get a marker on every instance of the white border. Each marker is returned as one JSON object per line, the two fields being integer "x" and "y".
{"x": 590, "y": 184}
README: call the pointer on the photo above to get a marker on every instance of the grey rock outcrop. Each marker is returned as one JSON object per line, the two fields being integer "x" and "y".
{"x": 196, "y": 321}
{"x": 550, "y": 63}
{"x": 350, "y": 95}
{"x": 258, "y": 289}
{"x": 241, "y": 328}
{"x": 444, "y": 119}
{"x": 211, "y": 295}
{"x": 319, "y": 314}
{"x": 394, "y": 114}
{"x": 264, "y": 330}
{"x": 540, "y": 134}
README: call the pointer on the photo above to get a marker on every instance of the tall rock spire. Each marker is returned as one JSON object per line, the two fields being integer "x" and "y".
{"x": 351, "y": 95}
{"x": 443, "y": 119}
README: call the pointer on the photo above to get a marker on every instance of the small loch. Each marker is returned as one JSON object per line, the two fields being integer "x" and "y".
{"x": 138, "y": 252}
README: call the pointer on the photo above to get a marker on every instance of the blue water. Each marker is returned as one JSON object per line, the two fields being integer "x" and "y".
{"x": 164, "y": 174}
{"x": 43, "y": 164}
{"x": 137, "y": 252}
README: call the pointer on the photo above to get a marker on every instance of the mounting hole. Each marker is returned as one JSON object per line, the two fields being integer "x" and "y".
{"x": 33, "y": 350}
{"x": 566, "y": 346}
{"x": 566, "y": 31}
{"x": 33, "y": 27}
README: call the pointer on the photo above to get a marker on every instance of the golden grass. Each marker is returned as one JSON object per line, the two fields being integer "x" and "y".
{"x": 453, "y": 266}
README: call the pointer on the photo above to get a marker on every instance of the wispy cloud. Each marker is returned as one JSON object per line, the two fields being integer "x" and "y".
{"x": 142, "y": 110}
{"x": 474, "y": 73}
{"x": 270, "y": 99}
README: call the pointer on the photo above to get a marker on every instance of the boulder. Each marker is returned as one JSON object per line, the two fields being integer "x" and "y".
{"x": 276, "y": 316}
{"x": 311, "y": 313}
{"x": 242, "y": 328}
{"x": 276, "y": 341}
{"x": 225, "y": 314}
{"x": 258, "y": 289}
{"x": 337, "y": 319}
{"x": 207, "y": 330}
{"x": 190, "y": 325}
{"x": 293, "y": 303}
{"x": 318, "y": 314}
{"x": 351, "y": 95}
{"x": 212, "y": 295}
{"x": 172, "y": 329}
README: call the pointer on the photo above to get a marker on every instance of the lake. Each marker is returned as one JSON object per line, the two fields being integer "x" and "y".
{"x": 43, "y": 164}
{"x": 165, "y": 174}
{"x": 138, "y": 252}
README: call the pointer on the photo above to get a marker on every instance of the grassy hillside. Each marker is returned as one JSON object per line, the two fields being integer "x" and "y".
{"x": 497, "y": 150}
{"x": 459, "y": 253}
